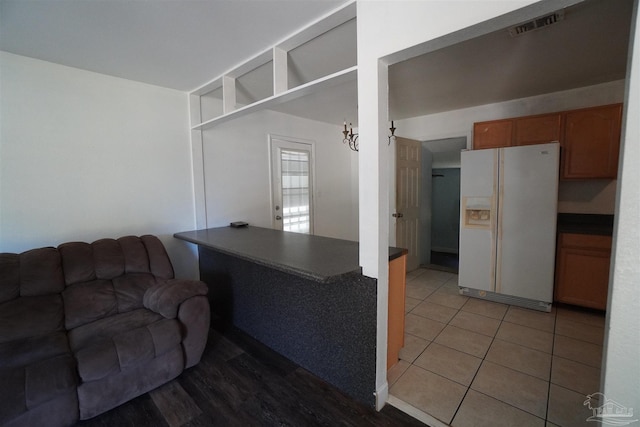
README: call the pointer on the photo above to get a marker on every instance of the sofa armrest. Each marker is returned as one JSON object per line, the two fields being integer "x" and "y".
{"x": 194, "y": 315}
{"x": 166, "y": 297}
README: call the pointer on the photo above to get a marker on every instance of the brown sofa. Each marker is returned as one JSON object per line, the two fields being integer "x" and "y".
{"x": 86, "y": 327}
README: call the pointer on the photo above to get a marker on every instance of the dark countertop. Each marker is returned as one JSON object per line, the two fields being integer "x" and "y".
{"x": 585, "y": 224}
{"x": 322, "y": 259}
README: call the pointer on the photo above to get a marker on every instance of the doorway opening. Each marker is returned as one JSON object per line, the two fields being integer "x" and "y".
{"x": 445, "y": 217}
{"x": 440, "y": 216}
{"x": 447, "y": 110}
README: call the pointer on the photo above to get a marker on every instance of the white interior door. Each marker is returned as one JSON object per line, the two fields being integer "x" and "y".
{"x": 407, "y": 213}
{"x": 292, "y": 185}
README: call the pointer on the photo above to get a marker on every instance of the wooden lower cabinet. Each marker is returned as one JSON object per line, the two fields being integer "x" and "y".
{"x": 582, "y": 270}
{"x": 395, "y": 332}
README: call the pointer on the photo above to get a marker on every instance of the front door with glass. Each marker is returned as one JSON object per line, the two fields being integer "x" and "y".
{"x": 291, "y": 180}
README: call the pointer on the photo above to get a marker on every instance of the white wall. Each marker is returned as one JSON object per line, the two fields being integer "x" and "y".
{"x": 85, "y": 156}
{"x": 593, "y": 196}
{"x": 237, "y": 173}
{"x": 621, "y": 362}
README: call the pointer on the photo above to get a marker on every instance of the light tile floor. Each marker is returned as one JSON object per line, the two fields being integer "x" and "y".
{"x": 470, "y": 362}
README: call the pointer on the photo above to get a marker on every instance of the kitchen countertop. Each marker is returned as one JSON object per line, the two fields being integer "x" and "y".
{"x": 585, "y": 224}
{"x": 322, "y": 259}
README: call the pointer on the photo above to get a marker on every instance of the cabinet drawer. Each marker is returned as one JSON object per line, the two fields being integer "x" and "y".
{"x": 585, "y": 241}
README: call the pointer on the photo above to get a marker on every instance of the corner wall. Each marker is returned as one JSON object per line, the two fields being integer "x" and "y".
{"x": 85, "y": 156}
{"x": 621, "y": 359}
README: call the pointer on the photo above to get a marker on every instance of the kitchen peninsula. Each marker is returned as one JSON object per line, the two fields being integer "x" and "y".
{"x": 302, "y": 295}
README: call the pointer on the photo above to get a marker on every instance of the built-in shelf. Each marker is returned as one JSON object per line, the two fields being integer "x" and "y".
{"x": 295, "y": 93}
{"x": 326, "y": 54}
{"x": 319, "y": 56}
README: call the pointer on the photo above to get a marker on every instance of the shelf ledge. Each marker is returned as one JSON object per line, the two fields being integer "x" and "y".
{"x": 339, "y": 77}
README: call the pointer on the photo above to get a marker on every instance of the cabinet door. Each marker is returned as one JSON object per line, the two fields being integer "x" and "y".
{"x": 592, "y": 142}
{"x": 395, "y": 331}
{"x": 494, "y": 134}
{"x": 537, "y": 129}
{"x": 582, "y": 270}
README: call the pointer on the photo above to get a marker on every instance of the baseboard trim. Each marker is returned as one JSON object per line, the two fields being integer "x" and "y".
{"x": 506, "y": 299}
{"x": 451, "y": 251}
{"x": 382, "y": 396}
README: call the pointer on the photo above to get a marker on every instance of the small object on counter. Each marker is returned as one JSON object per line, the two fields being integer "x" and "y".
{"x": 238, "y": 224}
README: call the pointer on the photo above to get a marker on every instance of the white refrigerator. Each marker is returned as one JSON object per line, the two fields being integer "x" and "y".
{"x": 508, "y": 213}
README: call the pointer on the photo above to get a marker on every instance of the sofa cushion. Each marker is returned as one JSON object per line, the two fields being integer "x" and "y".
{"x": 159, "y": 262}
{"x": 41, "y": 272}
{"x": 130, "y": 289}
{"x": 90, "y": 301}
{"x": 77, "y": 262}
{"x": 108, "y": 258}
{"x": 27, "y": 387}
{"x": 108, "y": 327}
{"x": 25, "y": 351}
{"x": 136, "y": 259}
{"x": 127, "y": 349}
{"x": 60, "y": 411}
{"x": 96, "y": 397}
{"x": 97, "y": 361}
{"x": 165, "y": 334}
{"x": 86, "y": 302}
{"x": 9, "y": 277}
{"x": 48, "y": 378}
{"x": 30, "y": 316}
{"x": 165, "y": 297}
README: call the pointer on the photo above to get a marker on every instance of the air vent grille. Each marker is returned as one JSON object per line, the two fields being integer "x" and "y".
{"x": 535, "y": 24}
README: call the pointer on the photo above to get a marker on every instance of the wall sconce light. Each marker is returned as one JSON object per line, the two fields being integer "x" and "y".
{"x": 352, "y": 138}
{"x": 392, "y": 129}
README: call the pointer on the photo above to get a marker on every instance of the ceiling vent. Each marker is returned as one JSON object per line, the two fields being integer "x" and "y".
{"x": 537, "y": 23}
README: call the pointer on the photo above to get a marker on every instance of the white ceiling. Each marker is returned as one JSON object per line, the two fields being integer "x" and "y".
{"x": 179, "y": 44}
{"x": 184, "y": 44}
{"x": 588, "y": 47}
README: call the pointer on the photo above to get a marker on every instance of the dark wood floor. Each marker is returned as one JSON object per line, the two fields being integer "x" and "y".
{"x": 241, "y": 382}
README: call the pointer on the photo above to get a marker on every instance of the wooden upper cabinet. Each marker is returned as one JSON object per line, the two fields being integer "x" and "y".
{"x": 537, "y": 129}
{"x": 590, "y": 138}
{"x": 493, "y": 134}
{"x": 592, "y": 142}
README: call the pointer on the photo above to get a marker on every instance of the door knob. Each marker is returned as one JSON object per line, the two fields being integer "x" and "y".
{"x": 398, "y": 215}
{"x": 278, "y": 217}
